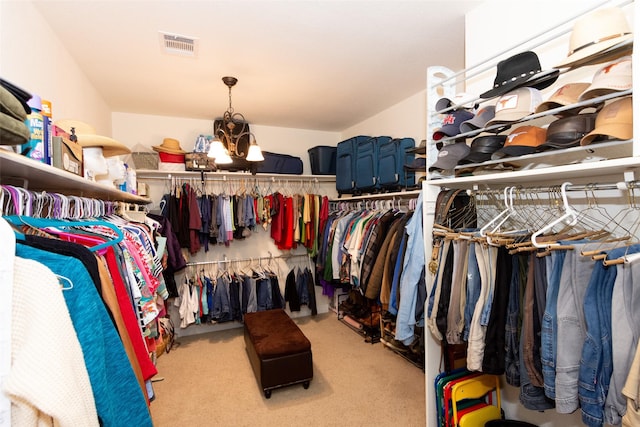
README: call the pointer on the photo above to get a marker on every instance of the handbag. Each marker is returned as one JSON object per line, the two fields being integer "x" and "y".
{"x": 199, "y": 162}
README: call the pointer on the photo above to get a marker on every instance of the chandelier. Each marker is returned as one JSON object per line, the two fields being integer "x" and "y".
{"x": 231, "y": 136}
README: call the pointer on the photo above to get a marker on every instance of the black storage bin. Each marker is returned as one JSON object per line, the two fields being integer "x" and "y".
{"x": 323, "y": 160}
{"x": 280, "y": 163}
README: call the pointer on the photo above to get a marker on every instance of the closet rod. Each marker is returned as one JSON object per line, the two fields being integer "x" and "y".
{"x": 224, "y": 178}
{"x": 227, "y": 260}
{"x": 489, "y": 61}
{"x": 622, "y": 185}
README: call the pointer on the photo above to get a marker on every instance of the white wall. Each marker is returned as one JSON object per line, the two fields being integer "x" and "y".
{"x": 406, "y": 119}
{"x": 147, "y": 130}
{"x": 34, "y": 59}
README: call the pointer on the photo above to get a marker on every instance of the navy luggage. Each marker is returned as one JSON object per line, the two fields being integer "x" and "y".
{"x": 367, "y": 163}
{"x": 392, "y": 157}
{"x": 280, "y": 163}
{"x": 346, "y": 164}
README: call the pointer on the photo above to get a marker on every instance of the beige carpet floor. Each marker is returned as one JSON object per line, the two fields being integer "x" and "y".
{"x": 208, "y": 381}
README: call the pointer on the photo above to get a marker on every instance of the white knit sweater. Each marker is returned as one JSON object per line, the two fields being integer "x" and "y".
{"x": 48, "y": 383}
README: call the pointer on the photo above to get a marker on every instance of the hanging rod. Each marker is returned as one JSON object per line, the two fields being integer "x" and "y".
{"x": 489, "y": 61}
{"x": 228, "y": 260}
{"x": 622, "y": 185}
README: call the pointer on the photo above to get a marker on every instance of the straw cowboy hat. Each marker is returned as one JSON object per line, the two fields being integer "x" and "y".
{"x": 169, "y": 145}
{"x": 87, "y": 137}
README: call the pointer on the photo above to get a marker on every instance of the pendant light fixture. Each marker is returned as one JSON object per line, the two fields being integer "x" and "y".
{"x": 231, "y": 134}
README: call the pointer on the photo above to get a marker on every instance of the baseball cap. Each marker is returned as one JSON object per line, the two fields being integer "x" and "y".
{"x": 614, "y": 121}
{"x": 460, "y": 100}
{"x": 613, "y": 77}
{"x": 418, "y": 164}
{"x": 478, "y": 121}
{"x": 516, "y": 104}
{"x": 522, "y": 140}
{"x": 451, "y": 124}
{"x": 568, "y": 131}
{"x": 450, "y": 155}
{"x": 567, "y": 94}
{"x": 482, "y": 148}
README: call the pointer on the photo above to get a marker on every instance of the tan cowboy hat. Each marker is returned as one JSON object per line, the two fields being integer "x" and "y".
{"x": 169, "y": 145}
{"x": 87, "y": 138}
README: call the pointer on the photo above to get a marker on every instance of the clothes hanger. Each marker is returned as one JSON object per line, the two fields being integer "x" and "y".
{"x": 59, "y": 223}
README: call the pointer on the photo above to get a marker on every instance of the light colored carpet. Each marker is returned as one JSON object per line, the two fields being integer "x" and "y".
{"x": 208, "y": 381}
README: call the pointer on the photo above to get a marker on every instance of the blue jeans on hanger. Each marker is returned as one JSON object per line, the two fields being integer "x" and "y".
{"x": 575, "y": 276}
{"x": 512, "y": 327}
{"x": 548, "y": 347}
{"x": 625, "y": 333}
{"x": 411, "y": 272}
{"x": 473, "y": 288}
{"x": 596, "y": 366}
{"x": 263, "y": 294}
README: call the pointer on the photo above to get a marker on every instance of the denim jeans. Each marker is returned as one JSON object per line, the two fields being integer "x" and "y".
{"x": 576, "y": 272}
{"x": 596, "y": 364}
{"x": 494, "y": 351}
{"x": 531, "y": 397}
{"x": 411, "y": 272}
{"x": 221, "y": 301}
{"x": 473, "y": 288}
{"x": 491, "y": 255}
{"x": 263, "y": 294}
{"x": 477, "y": 331}
{"x": 625, "y": 333}
{"x": 397, "y": 274}
{"x": 548, "y": 348}
{"x": 434, "y": 296}
{"x": 455, "y": 314}
{"x": 249, "y": 290}
{"x": 513, "y": 324}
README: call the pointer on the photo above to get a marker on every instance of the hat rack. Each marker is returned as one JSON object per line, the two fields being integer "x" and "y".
{"x": 490, "y": 62}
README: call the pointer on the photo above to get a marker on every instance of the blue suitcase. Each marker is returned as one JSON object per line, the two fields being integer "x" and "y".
{"x": 367, "y": 163}
{"x": 346, "y": 164}
{"x": 392, "y": 156}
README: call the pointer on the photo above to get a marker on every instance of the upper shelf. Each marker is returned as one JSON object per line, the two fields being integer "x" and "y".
{"x": 222, "y": 175}
{"x": 36, "y": 176}
{"x": 598, "y": 171}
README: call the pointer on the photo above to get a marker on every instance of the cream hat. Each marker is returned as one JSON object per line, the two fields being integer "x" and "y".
{"x": 87, "y": 138}
{"x": 169, "y": 145}
{"x": 594, "y": 34}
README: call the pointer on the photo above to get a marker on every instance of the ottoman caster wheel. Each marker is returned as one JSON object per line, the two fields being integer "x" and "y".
{"x": 305, "y": 385}
{"x": 267, "y": 394}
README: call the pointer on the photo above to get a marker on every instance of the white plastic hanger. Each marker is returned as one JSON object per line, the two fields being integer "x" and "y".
{"x": 569, "y": 214}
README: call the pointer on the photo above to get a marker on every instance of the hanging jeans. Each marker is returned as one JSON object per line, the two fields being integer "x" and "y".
{"x": 597, "y": 353}
{"x": 576, "y": 272}
{"x": 625, "y": 334}
{"x": 549, "y": 329}
{"x": 512, "y": 327}
{"x": 263, "y": 293}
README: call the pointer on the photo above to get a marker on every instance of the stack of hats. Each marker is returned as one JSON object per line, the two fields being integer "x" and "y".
{"x": 13, "y": 113}
{"x": 171, "y": 155}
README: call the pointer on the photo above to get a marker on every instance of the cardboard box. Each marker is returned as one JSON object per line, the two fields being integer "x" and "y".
{"x": 67, "y": 155}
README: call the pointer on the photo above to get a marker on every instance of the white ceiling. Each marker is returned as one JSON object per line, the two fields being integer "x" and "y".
{"x": 322, "y": 65}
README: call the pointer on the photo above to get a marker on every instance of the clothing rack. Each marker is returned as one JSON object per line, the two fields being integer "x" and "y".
{"x": 19, "y": 201}
{"x": 260, "y": 258}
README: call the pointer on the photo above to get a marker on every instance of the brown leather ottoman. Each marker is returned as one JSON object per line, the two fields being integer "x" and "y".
{"x": 279, "y": 353}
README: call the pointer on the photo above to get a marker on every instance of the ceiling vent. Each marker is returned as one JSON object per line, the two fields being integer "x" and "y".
{"x": 175, "y": 44}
